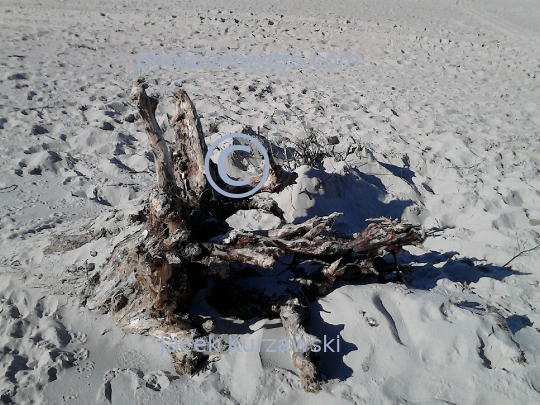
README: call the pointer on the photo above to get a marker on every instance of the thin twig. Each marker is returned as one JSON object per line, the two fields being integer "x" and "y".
{"x": 84, "y": 46}
{"x": 521, "y": 253}
{"x": 6, "y": 188}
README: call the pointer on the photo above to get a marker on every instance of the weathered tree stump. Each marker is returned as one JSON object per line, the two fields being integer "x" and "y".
{"x": 151, "y": 277}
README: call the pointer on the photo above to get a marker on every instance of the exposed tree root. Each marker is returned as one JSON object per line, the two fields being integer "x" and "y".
{"x": 152, "y": 276}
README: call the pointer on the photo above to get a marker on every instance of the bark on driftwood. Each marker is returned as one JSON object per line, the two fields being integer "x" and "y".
{"x": 152, "y": 276}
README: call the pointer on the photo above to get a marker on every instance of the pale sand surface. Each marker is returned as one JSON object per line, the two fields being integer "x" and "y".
{"x": 445, "y": 104}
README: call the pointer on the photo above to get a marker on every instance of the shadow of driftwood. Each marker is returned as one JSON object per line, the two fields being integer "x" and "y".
{"x": 331, "y": 364}
{"x": 249, "y": 292}
{"x": 431, "y": 267}
{"x": 357, "y": 195}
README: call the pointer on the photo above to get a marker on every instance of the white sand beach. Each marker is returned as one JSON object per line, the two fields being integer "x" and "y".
{"x": 443, "y": 115}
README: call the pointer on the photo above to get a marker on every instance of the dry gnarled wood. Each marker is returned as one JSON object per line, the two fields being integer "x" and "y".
{"x": 293, "y": 315}
{"x": 189, "y": 148}
{"x": 147, "y": 109}
{"x": 152, "y": 276}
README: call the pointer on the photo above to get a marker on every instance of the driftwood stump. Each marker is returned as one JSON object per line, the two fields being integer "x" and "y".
{"x": 151, "y": 277}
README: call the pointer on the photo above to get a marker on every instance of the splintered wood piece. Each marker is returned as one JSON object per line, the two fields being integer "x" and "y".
{"x": 308, "y": 229}
{"x": 162, "y": 159}
{"x": 189, "y": 148}
{"x": 386, "y": 237}
{"x": 278, "y": 178}
{"x": 294, "y": 316}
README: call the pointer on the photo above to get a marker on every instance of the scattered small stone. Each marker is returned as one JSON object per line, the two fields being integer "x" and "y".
{"x": 372, "y": 322}
{"x": 93, "y": 253}
{"x": 209, "y": 325}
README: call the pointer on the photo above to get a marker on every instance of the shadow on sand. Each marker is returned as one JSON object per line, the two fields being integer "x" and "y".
{"x": 247, "y": 292}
